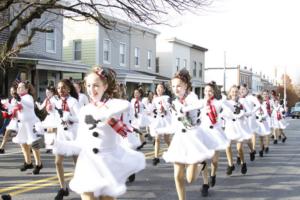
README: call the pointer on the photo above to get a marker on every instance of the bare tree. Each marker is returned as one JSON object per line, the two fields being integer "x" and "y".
{"x": 23, "y": 12}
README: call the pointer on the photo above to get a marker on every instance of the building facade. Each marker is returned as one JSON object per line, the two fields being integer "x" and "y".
{"x": 238, "y": 76}
{"x": 128, "y": 48}
{"x": 174, "y": 54}
{"x": 41, "y": 62}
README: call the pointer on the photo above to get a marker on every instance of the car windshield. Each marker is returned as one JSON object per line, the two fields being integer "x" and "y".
{"x": 297, "y": 104}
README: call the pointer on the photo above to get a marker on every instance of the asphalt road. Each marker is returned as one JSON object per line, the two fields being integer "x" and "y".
{"x": 275, "y": 176}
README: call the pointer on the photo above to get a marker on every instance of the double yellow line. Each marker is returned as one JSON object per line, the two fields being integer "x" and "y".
{"x": 33, "y": 185}
{"x": 45, "y": 182}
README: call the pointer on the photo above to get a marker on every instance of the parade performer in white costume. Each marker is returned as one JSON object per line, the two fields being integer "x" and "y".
{"x": 138, "y": 116}
{"x": 24, "y": 110}
{"x": 186, "y": 150}
{"x": 268, "y": 104}
{"x": 149, "y": 108}
{"x": 103, "y": 165}
{"x": 52, "y": 118}
{"x": 68, "y": 109}
{"x": 263, "y": 129}
{"x": 161, "y": 123}
{"x": 278, "y": 121}
{"x": 251, "y": 106}
{"x": 211, "y": 124}
{"x": 82, "y": 98}
{"x": 12, "y": 126}
{"x": 235, "y": 128}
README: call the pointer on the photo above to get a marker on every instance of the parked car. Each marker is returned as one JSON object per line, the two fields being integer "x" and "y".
{"x": 295, "y": 111}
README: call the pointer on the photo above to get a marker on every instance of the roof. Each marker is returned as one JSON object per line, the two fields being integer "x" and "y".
{"x": 35, "y": 56}
{"x": 53, "y": 65}
{"x": 194, "y": 46}
{"x": 134, "y": 73}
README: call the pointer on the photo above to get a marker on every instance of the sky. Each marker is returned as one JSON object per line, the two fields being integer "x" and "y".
{"x": 259, "y": 34}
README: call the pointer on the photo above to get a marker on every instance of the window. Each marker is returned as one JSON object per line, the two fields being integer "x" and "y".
{"x": 137, "y": 56}
{"x": 122, "y": 54}
{"x": 149, "y": 58}
{"x": 195, "y": 69}
{"x": 106, "y": 51}
{"x": 177, "y": 64}
{"x": 201, "y": 70}
{"x": 157, "y": 65}
{"x": 184, "y": 63}
{"x": 50, "y": 41}
{"x": 77, "y": 49}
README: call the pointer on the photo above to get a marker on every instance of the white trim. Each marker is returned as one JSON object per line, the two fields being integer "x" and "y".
{"x": 109, "y": 52}
{"x": 98, "y": 46}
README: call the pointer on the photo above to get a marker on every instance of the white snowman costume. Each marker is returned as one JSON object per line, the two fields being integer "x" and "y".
{"x": 162, "y": 119}
{"x": 52, "y": 119}
{"x": 67, "y": 126}
{"x": 278, "y": 120}
{"x": 251, "y": 105}
{"x": 262, "y": 119}
{"x": 216, "y": 138}
{"x": 236, "y": 124}
{"x": 13, "y": 124}
{"x": 132, "y": 140}
{"x": 149, "y": 107}
{"x": 187, "y": 145}
{"x": 103, "y": 164}
{"x": 27, "y": 120}
{"x": 269, "y": 104}
{"x": 138, "y": 115}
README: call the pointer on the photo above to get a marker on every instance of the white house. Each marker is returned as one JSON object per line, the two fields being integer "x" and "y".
{"x": 174, "y": 54}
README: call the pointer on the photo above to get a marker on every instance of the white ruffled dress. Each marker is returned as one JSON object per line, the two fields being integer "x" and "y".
{"x": 149, "y": 107}
{"x": 215, "y": 137}
{"x": 13, "y": 123}
{"x": 52, "y": 118}
{"x": 162, "y": 119}
{"x": 72, "y": 125}
{"x": 27, "y": 120}
{"x": 251, "y": 104}
{"x": 132, "y": 140}
{"x": 139, "y": 119}
{"x": 236, "y": 125}
{"x": 103, "y": 164}
{"x": 278, "y": 123}
{"x": 262, "y": 118}
{"x": 187, "y": 145}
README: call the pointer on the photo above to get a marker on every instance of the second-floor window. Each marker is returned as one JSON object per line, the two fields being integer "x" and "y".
{"x": 106, "y": 51}
{"x": 157, "y": 65}
{"x": 50, "y": 41}
{"x": 195, "y": 69}
{"x": 184, "y": 63}
{"x": 77, "y": 49}
{"x": 122, "y": 54}
{"x": 177, "y": 64}
{"x": 137, "y": 56}
{"x": 149, "y": 58}
{"x": 201, "y": 70}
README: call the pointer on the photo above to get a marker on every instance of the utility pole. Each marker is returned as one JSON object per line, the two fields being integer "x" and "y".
{"x": 284, "y": 89}
{"x": 224, "y": 73}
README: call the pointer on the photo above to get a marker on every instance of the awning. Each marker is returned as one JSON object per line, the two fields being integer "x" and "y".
{"x": 128, "y": 75}
{"x": 197, "y": 83}
{"x": 53, "y": 65}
